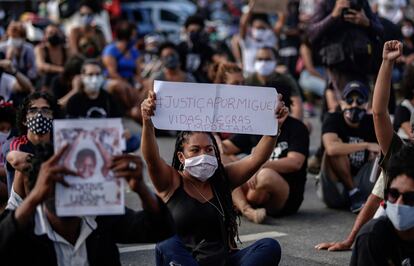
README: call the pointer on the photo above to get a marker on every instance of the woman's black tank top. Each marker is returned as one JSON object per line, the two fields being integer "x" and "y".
{"x": 195, "y": 221}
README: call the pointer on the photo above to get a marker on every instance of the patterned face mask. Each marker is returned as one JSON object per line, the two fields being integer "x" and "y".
{"x": 39, "y": 124}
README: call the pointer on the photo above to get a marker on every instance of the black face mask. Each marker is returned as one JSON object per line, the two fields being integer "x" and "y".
{"x": 194, "y": 36}
{"x": 55, "y": 40}
{"x": 171, "y": 61}
{"x": 355, "y": 114}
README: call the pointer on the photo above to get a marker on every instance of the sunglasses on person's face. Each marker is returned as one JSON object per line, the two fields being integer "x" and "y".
{"x": 359, "y": 100}
{"x": 393, "y": 195}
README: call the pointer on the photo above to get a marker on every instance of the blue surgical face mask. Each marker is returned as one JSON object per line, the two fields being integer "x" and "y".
{"x": 401, "y": 216}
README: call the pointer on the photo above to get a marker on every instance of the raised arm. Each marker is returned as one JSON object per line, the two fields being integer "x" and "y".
{"x": 321, "y": 22}
{"x": 382, "y": 122}
{"x": 240, "y": 171}
{"x": 160, "y": 172}
{"x": 244, "y": 20}
{"x": 22, "y": 83}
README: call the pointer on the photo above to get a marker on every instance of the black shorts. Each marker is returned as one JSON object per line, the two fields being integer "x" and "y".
{"x": 296, "y": 184}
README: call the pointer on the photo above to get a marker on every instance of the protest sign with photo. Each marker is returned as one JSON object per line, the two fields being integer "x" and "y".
{"x": 270, "y": 6}
{"x": 215, "y": 108}
{"x": 92, "y": 142}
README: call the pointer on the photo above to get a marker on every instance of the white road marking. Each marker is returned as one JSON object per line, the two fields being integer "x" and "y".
{"x": 243, "y": 238}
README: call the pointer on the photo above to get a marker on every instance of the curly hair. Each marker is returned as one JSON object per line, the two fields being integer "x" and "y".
{"x": 219, "y": 182}
{"x": 222, "y": 69}
{"x": 22, "y": 112}
{"x": 401, "y": 163}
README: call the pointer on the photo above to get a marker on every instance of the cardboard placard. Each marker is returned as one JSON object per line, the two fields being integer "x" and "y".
{"x": 215, "y": 108}
{"x": 95, "y": 190}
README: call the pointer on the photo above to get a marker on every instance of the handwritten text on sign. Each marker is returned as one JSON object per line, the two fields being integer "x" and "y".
{"x": 215, "y": 107}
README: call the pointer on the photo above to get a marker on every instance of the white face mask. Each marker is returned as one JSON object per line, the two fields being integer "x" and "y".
{"x": 401, "y": 216}
{"x": 201, "y": 167}
{"x": 92, "y": 83}
{"x": 15, "y": 42}
{"x": 407, "y": 31}
{"x": 264, "y": 68}
{"x": 261, "y": 34}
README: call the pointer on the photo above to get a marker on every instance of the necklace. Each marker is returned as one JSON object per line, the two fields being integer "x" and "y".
{"x": 218, "y": 199}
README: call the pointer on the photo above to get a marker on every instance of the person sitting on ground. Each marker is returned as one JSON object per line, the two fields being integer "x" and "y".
{"x": 405, "y": 109}
{"x": 48, "y": 239}
{"x": 407, "y": 30}
{"x": 92, "y": 100}
{"x": 255, "y": 33}
{"x": 121, "y": 57}
{"x": 19, "y": 51}
{"x": 34, "y": 122}
{"x": 12, "y": 81}
{"x": 91, "y": 21}
{"x": 388, "y": 140}
{"x": 51, "y": 55}
{"x": 389, "y": 240}
{"x": 265, "y": 75}
{"x": 149, "y": 61}
{"x": 65, "y": 85}
{"x": 350, "y": 143}
{"x": 171, "y": 71}
{"x": 197, "y": 190}
{"x": 277, "y": 188}
{"x": 195, "y": 52}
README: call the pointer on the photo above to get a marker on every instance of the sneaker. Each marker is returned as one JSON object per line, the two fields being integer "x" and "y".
{"x": 256, "y": 216}
{"x": 357, "y": 202}
{"x": 314, "y": 164}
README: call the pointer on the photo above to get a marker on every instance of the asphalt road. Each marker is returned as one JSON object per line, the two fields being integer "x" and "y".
{"x": 297, "y": 234}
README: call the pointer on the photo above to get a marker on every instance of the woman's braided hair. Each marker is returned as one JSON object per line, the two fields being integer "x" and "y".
{"x": 219, "y": 182}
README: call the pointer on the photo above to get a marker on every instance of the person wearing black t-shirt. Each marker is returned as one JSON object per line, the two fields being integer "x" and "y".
{"x": 277, "y": 189}
{"x": 194, "y": 51}
{"x": 389, "y": 240}
{"x": 349, "y": 141}
{"x": 93, "y": 101}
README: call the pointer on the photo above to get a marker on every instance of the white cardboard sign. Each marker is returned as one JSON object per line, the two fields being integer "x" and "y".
{"x": 95, "y": 190}
{"x": 215, "y": 108}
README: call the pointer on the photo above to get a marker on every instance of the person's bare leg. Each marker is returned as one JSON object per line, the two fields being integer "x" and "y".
{"x": 339, "y": 169}
{"x": 271, "y": 191}
{"x": 241, "y": 203}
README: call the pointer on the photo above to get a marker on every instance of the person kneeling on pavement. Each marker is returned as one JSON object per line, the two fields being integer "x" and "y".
{"x": 33, "y": 234}
{"x": 389, "y": 240}
{"x": 350, "y": 145}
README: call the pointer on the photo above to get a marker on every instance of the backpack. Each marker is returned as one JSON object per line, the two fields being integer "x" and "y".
{"x": 353, "y": 50}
